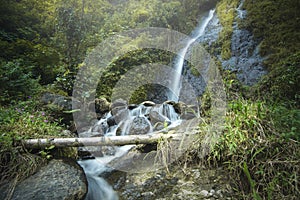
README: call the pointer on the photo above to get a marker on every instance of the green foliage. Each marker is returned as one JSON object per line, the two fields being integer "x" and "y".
{"x": 153, "y": 13}
{"x": 243, "y": 121}
{"x": 256, "y": 150}
{"x": 226, "y": 13}
{"x": 54, "y": 36}
{"x": 283, "y": 80}
{"x": 286, "y": 120}
{"x": 22, "y": 121}
{"x": 276, "y": 26}
{"x": 46, "y": 152}
{"x": 251, "y": 181}
{"x": 25, "y": 121}
{"x": 17, "y": 82}
{"x": 121, "y": 66}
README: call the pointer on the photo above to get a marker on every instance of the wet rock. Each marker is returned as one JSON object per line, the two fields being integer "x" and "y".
{"x": 108, "y": 150}
{"x": 132, "y": 106}
{"x": 58, "y": 180}
{"x": 111, "y": 121}
{"x": 148, "y": 103}
{"x": 158, "y": 93}
{"x": 83, "y": 154}
{"x": 139, "y": 126}
{"x": 179, "y": 107}
{"x": 101, "y": 127}
{"x": 118, "y": 103}
{"x": 211, "y": 32}
{"x": 119, "y": 110}
{"x": 170, "y": 102}
{"x": 93, "y": 151}
{"x": 158, "y": 121}
{"x": 63, "y": 102}
{"x": 120, "y": 115}
{"x": 245, "y": 59}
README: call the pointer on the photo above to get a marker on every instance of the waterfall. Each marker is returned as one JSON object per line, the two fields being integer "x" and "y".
{"x": 136, "y": 120}
{"x": 179, "y": 62}
{"x": 126, "y": 119}
{"x": 98, "y": 188}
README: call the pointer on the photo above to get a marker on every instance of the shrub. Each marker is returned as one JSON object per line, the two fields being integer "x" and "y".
{"x": 24, "y": 121}
{"x": 17, "y": 82}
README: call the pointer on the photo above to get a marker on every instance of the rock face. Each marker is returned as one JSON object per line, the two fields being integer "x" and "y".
{"x": 58, "y": 180}
{"x": 245, "y": 60}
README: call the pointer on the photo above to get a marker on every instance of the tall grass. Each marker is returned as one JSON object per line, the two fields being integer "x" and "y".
{"x": 259, "y": 147}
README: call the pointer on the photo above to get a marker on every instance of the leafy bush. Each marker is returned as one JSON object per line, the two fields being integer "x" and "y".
{"x": 24, "y": 121}
{"x": 17, "y": 82}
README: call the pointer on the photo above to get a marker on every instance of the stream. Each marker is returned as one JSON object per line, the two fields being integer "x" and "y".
{"x": 126, "y": 119}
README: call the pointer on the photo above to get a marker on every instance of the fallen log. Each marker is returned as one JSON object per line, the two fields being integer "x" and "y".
{"x": 100, "y": 141}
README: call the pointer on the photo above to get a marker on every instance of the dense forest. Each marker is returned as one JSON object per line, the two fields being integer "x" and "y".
{"x": 43, "y": 44}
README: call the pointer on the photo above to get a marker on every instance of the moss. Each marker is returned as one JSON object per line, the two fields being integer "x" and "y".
{"x": 276, "y": 25}
{"x": 122, "y": 68}
{"x": 226, "y": 12}
{"x": 195, "y": 72}
{"x": 283, "y": 80}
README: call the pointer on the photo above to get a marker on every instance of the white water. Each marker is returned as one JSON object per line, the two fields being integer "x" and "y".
{"x": 175, "y": 86}
{"x": 98, "y": 188}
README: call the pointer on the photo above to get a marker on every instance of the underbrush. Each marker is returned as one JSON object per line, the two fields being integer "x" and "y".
{"x": 23, "y": 121}
{"x": 260, "y": 148}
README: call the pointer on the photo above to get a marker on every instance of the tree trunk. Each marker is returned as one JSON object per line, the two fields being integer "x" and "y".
{"x": 101, "y": 141}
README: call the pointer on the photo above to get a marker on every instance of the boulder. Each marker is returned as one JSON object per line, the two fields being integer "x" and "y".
{"x": 170, "y": 102}
{"x": 64, "y": 103}
{"x": 132, "y": 106}
{"x": 139, "y": 126}
{"x": 102, "y": 105}
{"x": 58, "y": 180}
{"x": 148, "y": 103}
{"x": 101, "y": 127}
{"x": 158, "y": 120}
{"x": 179, "y": 107}
{"x": 118, "y": 103}
{"x": 86, "y": 134}
{"x": 58, "y": 105}
{"x": 121, "y": 115}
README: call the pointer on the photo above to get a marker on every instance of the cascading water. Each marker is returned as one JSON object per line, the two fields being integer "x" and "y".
{"x": 141, "y": 119}
{"x": 175, "y": 86}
